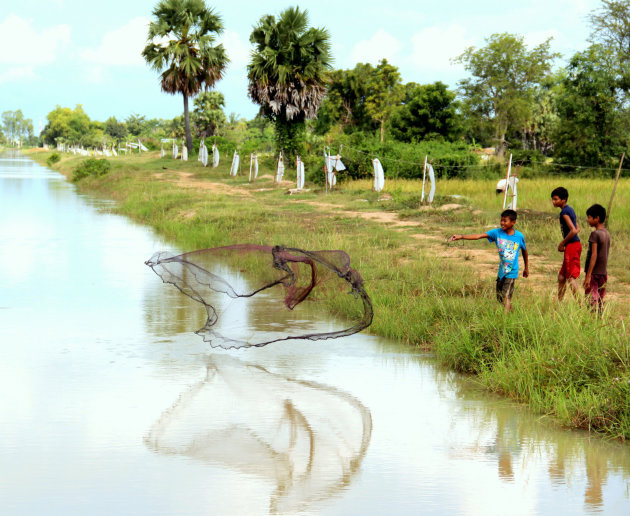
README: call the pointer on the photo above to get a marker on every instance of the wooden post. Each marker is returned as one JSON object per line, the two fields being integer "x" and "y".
{"x": 424, "y": 176}
{"x": 612, "y": 195}
{"x": 507, "y": 181}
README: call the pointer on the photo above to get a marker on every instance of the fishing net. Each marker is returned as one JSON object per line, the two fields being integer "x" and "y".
{"x": 255, "y": 295}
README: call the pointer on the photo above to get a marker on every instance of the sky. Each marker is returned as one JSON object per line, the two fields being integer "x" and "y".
{"x": 69, "y": 52}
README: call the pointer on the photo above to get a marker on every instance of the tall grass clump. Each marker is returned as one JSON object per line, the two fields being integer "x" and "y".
{"x": 53, "y": 158}
{"x": 91, "y": 167}
{"x": 560, "y": 359}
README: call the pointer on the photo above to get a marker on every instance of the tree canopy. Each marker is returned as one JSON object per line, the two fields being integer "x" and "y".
{"x": 208, "y": 114}
{"x": 428, "y": 111}
{"x": 505, "y": 74}
{"x": 288, "y": 73}
{"x": 181, "y": 45}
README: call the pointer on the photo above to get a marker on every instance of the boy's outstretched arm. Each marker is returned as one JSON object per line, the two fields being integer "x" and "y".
{"x": 526, "y": 260}
{"x": 477, "y": 236}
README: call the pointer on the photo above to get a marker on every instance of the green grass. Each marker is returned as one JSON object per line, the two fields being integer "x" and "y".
{"x": 560, "y": 359}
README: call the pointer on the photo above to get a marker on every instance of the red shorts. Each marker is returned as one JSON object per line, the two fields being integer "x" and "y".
{"x": 571, "y": 262}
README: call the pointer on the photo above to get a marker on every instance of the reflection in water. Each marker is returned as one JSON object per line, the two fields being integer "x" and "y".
{"x": 516, "y": 440}
{"x": 308, "y": 439}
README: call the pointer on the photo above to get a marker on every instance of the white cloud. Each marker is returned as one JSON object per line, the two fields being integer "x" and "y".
{"x": 236, "y": 49}
{"x": 21, "y": 44}
{"x": 381, "y": 45}
{"x": 120, "y": 47}
{"x": 435, "y": 47}
{"x": 17, "y": 73}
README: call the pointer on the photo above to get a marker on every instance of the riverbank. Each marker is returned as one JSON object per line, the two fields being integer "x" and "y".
{"x": 559, "y": 359}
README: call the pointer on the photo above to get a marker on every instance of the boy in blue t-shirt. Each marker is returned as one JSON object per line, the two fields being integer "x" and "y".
{"x": 509, "y": 242}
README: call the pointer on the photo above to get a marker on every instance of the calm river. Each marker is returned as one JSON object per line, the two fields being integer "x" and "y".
{"x": 110, "y": 404}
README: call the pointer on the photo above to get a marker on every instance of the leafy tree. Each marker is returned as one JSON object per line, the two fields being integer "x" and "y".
{"x": 116, "y": 130}
{"x": 135, "y": 124}
{"x": 288, "y": 73}
{"x": 344, "y": 104}
{"x": 593, "y": 127}
{"x": 68, "y": 124}
{"x": 385, "y": 94}
{"x": 175, "y": 128}
{"x": 188, "y": 60}
{"x": 16, "y": 127}
{"x": 208, "y": 115}
{"x": 428, "y": 111}
{"x": 611, "y": 28}
{"x": 504, "y": 77}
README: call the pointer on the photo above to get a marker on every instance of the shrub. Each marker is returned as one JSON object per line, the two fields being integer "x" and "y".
{"x": 403, "y": 160}
{"x": 91, "y": 167}
{"x": 53, "y": 158}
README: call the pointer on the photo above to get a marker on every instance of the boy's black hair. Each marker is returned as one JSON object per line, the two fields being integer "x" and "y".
{"x": 561, "y": 192}
{"x": 510, "y": 214}
{"x": 597, "y": 210}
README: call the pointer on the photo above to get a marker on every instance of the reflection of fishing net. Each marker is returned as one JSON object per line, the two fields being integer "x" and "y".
{"x": 306, "y": 438}
{"x": 255, "y": 295}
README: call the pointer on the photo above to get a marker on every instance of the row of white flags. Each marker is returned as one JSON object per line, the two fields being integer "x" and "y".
{"x": 332, "y": 163}
{"x": 103, "y": 150}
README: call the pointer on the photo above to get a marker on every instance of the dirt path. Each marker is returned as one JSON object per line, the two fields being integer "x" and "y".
{"x": 483, "y": 261}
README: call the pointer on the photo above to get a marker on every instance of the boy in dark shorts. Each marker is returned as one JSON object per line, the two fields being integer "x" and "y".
{"x": 509, "y": 242}
{"x": 596, "y": 264}
{"x": 570, "y": 244}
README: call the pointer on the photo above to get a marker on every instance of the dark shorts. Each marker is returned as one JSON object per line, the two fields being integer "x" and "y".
{"x": 505, "y": 288}
{"x": 597, "y": 288}
{"x": 571, "y": 261}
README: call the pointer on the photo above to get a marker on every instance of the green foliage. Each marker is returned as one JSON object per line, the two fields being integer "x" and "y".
{"x": 288, "y": 73}
{"x": 402, "y": 160}
{"x": 116, "y": 130}
{"x": 611, "y": 28}
{"x": 208, "y": 116}
{"x": 385, "y": 94}
{"x": 135, "y": 124}
{"x": 593, "y": 126}
{"x": 344, "y": 104}
{"x": 504, "y": 76}
{"x": 91, "y": 167}
{"x": 53, "y": 158}
{"x": 181, "y": 46}
{"x": 429, "y": 111}
{"x": 16, "y": 127}
{"x": 67, "y": 125}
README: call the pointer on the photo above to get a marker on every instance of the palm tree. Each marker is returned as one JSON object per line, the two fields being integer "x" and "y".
{"x": 180, "y": 45}
{"x": 288, "y": 73}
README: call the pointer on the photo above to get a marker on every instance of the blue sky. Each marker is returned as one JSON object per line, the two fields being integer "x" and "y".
{"x": 70, "y": 52}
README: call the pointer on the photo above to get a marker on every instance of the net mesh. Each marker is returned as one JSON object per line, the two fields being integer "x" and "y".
{"x": 255, "y": 295}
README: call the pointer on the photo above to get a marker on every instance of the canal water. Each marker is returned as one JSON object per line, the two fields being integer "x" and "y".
{"x": 110, "y": 404}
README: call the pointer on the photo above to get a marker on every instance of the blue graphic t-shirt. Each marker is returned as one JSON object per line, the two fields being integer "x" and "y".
{"x": 567, "y": 210}
{"x": 509, "y": 246}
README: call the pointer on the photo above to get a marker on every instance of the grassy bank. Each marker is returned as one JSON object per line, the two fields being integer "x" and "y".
{"x": 560, "y": 359}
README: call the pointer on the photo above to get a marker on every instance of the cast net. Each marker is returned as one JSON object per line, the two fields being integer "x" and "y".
{"x": 254, "y": 295}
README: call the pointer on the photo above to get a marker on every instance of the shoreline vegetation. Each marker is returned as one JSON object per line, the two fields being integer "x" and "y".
{"x": 560, "y": 359}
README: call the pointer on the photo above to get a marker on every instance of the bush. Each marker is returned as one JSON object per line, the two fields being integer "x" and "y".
{"x": 91, "y": 167}
{"x": 53, "y": 158}
{"x": 403, "y": 160}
